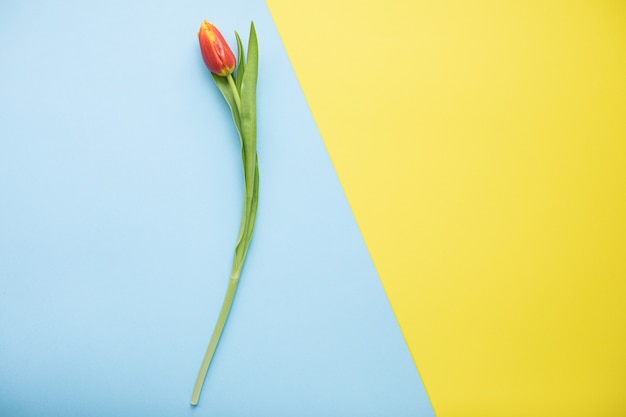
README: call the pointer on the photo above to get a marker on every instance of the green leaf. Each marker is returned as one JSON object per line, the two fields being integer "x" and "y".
{"x": 248, "y": 115}
{"x": 249, "y": 156}
{"x": 246, "y": 228}
{"x": 241, "y": 65}
{"x": 224, "y": 87}
{"x": 245, "y": 120}
{"x": 253, "y": 209}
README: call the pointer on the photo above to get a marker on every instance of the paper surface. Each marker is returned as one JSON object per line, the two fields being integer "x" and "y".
{"x": 481, "y": 146}
{"x": 121, "y": 194}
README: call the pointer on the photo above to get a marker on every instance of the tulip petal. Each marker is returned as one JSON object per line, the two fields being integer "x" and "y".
{"x": 216, "y": 53}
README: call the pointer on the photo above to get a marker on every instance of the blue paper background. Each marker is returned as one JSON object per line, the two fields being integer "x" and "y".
{"x": 121, "y": 188}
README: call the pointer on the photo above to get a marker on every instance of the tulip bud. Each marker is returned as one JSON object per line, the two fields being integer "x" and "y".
{"x": 216, "y": 53}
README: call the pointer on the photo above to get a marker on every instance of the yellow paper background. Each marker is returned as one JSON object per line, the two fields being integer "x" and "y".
{"x": 482, "y": 148}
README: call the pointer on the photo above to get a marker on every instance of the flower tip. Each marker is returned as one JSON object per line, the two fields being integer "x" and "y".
{"x": 216, "y": 53}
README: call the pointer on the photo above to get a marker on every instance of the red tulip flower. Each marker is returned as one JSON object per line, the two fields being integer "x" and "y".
{"x": 216, "y": 53}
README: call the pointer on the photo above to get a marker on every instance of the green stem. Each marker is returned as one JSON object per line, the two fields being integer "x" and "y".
{"x": 233, "y": 87}
{"x": 230, "y": 292}
{"x": 217, "y": 332}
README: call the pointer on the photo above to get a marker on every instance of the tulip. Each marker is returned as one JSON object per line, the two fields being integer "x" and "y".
{"x": 240, "y": 94}
{"x": 216, "y": 53}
